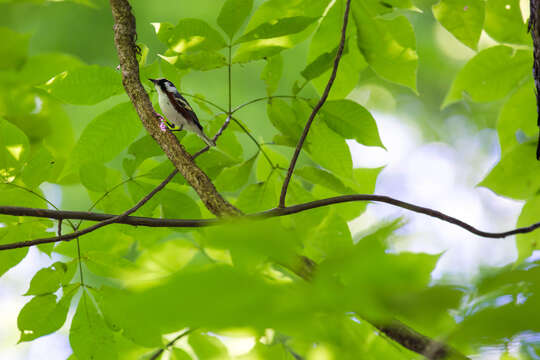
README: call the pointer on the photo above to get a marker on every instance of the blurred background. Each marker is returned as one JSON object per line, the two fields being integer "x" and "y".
{"x": 434, "y": 157}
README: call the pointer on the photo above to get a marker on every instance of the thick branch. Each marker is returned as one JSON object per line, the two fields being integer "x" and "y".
{"x": 124, "y": 35}
{"x": 534, "y": 21}
{"x": 193, "y": 223}
{"x": 317, "y": 107}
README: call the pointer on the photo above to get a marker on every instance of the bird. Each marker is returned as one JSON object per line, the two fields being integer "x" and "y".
{"x": 177, "y": 110}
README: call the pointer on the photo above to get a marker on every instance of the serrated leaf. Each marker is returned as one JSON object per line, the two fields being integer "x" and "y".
{"x": 233, "y": 14}
{"x": 89, "y": 336}
{"x": 491, "y": 74}
{"x": 517, "y": 174}
{"x": 463, "y": 18}
{"x": 504, "y": 22}
{"x": 277, "y": 28}
{"x": 389, "y": 46}
{"x": 108, "y": 134}
{"x": 14, "y": 150}
{"x": 42, "y": 315}
{"x": 189, "y": 35}
{"x": 272, "y": 73}
{"x": 352, "y": 121}
{"x": 86, "y": 85}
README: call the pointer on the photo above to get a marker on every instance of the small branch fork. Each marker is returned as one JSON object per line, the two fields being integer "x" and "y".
{"x": 317, "y": 107}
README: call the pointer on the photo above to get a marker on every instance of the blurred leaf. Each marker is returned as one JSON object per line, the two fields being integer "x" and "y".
{"x": 463, "y": 18}
{"x": 42, "y": 67}
{"x": 86, "y": 85}
{"x": 330, "y": 238}
{"x": 389, "y": 46}
{"x": 504, "y": 22}
{"x": 255, "y": 51}
{"x": 233, "y": 14}
{"x": 516, "y": 115}
{"x": 89, "y": 335}
{"x": 272, "y": 73}
{"x": 486, "y": 77}
{"x": 43, "y": 315}
{"x": 207, "y": 347}
{"x": 189, "y": 35}
{"x": 108, "y": 134}
{"x": 516, "y": 175}
{"x": 14, "y": 150}
{"x": 352, "y": 121}
{"x": 179, "y": 354}
{"x": 14, "y": 48}
{"x": 260, "y": 196}
{"x": 277, "y": 28}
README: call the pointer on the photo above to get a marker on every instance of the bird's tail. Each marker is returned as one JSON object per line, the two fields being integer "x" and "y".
{"x": 207, "y": 140}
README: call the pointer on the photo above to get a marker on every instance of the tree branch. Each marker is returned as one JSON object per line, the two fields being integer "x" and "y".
{"x": 194, "y": 223}
{"x": 534, "y": 21}
{"x": 124, "y": 35}
{"x": 317, "y": 107}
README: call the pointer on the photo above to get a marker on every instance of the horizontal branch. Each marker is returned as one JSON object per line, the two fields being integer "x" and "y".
{"x": 195, "y": 223}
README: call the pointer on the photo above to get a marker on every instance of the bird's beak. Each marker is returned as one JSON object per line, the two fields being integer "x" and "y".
{"x": 153, "y": 80}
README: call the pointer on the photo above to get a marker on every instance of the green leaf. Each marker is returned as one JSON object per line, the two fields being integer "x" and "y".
{"x": 331, "y": 237}
{"x": 516, "y": 116}
{"x": 323, "y": 178}
{"x": 260, "y": 196}
{"x": 42, "y": 166}
{"x": 201, "y": 60}
{"x": 352, "y": 121}
{"x": 108, "y": 134}
{"x": 517, "y": 163}
{"x": 329, "y": 150}
{"x": 178, "y": 205}
{"x": 282, "y": 116}
{"x": 527, "y": 243}
{"x": 89, "y": 336}
{"x": 190, "y": 35}
{"x": 207, "y": 347}
{"x": 255, "y": 51}
{"x": 235, "y": 177}
{"x": 42, "y": 67}
{"x": 14, "y": 48}
{"x": 48, "y": 280}
{"x": 463, "y": 18}
{"x": 86, "y": 85}
{"x": 277, "y": 28}
{"x": 504, "y": 22}
{"x": 491, "y": 74}
{"x": 14, "y": 150}
{"x": 233, "y": 14}
{"x": 389, "y": 46}
{"x": 179, "y": 354}
{"x": 94, "y": 176}
{"x": 43, "y": 315}
{"x": 272, "y": 73}
{"x": 322, "y": 53}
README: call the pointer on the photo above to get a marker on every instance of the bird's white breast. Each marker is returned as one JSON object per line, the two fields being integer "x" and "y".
{"x": 169, "y": 111}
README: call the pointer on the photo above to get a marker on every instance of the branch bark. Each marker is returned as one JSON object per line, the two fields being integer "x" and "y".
{"x": 534, "y": 21}
{"x": 317, "y": 107}
{"x": 124, "y": 38}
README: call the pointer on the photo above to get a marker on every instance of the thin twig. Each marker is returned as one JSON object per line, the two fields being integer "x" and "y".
{"x": 317, "y": 107}
{"x": 171, "y": 343}
{"x": 268, "y": 98}
{"x": 195, "y": 223}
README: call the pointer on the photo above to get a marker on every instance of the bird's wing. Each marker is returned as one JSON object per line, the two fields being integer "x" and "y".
{"x": 183, "y": 107}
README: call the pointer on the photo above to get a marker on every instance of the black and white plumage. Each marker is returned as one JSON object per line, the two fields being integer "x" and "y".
{"x": 177, "y": 110}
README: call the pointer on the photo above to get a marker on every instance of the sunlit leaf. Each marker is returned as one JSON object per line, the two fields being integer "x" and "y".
{"x": 233, "y": 14}
{"x": 504, "y": 22}
{"x": 463, "y": 18}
